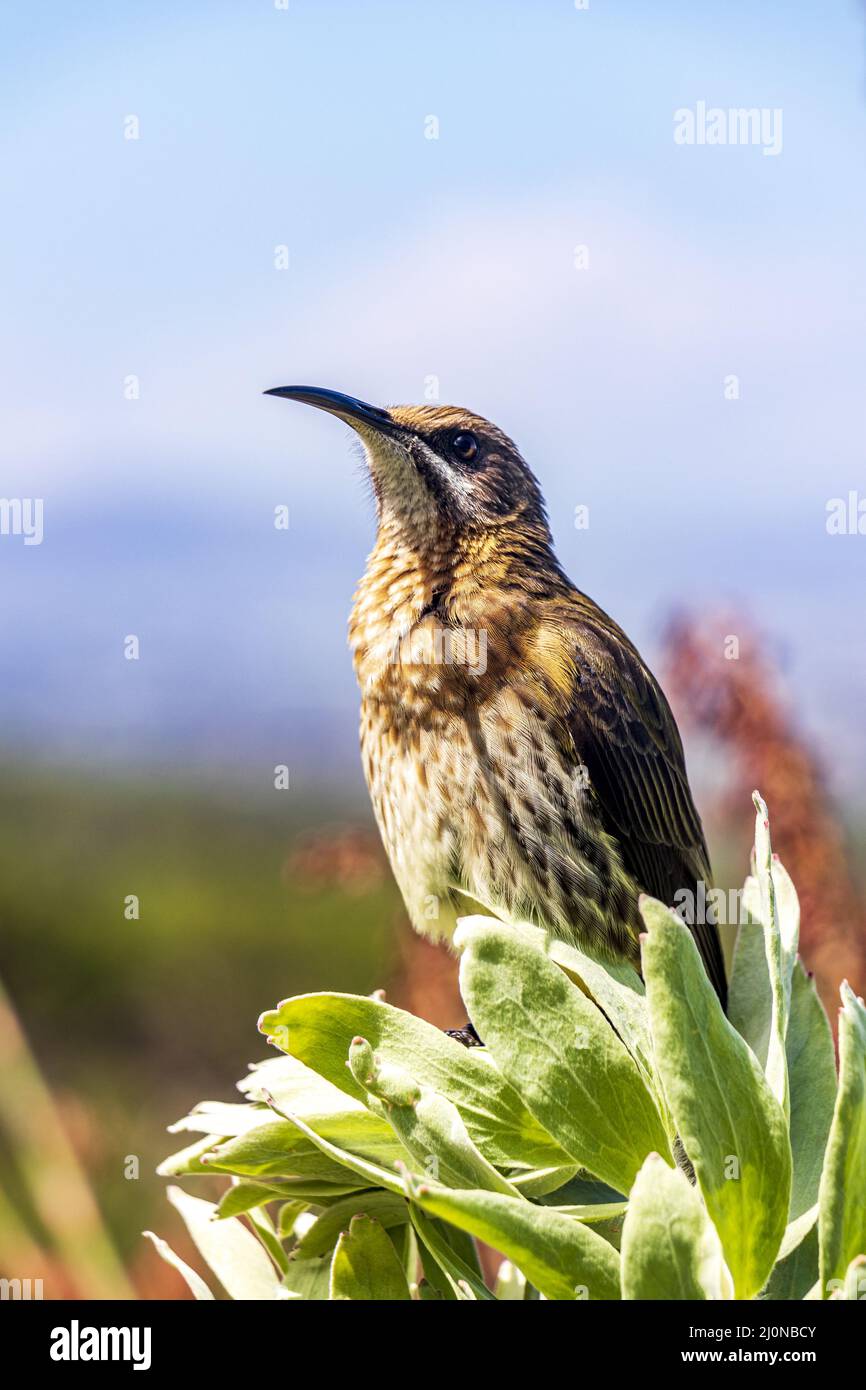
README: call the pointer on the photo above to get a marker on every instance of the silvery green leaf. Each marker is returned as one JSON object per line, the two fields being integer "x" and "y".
{"x": 188, "y": 1161}
{"x": 309, "y": 1279}
{"x": 812, "y": 1076}
{"x": 618, "y": 990}
{"x": 365, "y": 1265}
{"x": 428, "y": 1125}
{"x": 277, "y": 1149}
{"x": 564, "y": 1259}
{"x": 244, "y": 1196}
{"x": 796, "y": 1268}
{"x": 780, "y": 915}
{"x": 296, "y": 1086}
{"x": 318, "y": 1030}
{"x": 730, "y": 1123}
{"x": 842, "y": 1197}
{"x": 216, "y": 1117}
{"x": 670, "y": 1247}
{"x": 551, "y": 1041}
{"x": 809, "y": 1050}
{"x": 372, "y": 1174}
{"x": 197, "y": 1286}
{"x": 439, "y": 1258}
{"x": 750, "y": 1000}
{"x": 229, "y": 1249}
{"x": 388, "y": 1209}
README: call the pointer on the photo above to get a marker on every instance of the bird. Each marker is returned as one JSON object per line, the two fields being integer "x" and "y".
{"x": 521, "y": 758}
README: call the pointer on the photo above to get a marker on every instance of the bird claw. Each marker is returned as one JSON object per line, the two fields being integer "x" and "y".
{"x": 466, "y": 1036}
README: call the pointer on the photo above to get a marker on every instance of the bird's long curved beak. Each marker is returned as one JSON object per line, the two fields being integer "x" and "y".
{"x": 355, "y": 413}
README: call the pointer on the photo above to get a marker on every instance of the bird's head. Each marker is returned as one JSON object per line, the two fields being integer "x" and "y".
{"x": 438, "y": 472}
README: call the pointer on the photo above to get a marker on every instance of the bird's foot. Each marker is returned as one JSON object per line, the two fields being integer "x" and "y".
{"x": 466, "y": 1035}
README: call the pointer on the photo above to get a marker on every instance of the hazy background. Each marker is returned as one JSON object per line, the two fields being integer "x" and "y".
{"x": 409, "y": 258}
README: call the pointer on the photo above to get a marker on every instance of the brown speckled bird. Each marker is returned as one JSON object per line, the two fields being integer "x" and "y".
{"x": 520, "y": 756}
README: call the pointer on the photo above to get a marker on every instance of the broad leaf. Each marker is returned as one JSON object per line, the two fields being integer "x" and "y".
{"x": 549, "y": 1039}
{"x": 428, "y": 1125}
{"x": 365, "y": 1265}
{"x": 386, "y": 1207}
{"x": 670, "y": 1249}
{"x": 729, "y": 1121}
{"x": 462, "y": 1281}
{"x": 796, "y": 1268}
{"x": 244, "y": 1196}
{"x": 319, "y": 1028}
{"x": 277, "y": 1149}
{"x": 372, "y": 1174}
{"x": 809, "y": 1049}
{"x": 618, "y": 990}
{"x": 750, "y": 1000}
{"x": 842, "y": 1199}
{"x": 780, "y": 914}
{"x": 309, "y": 1279}
{"x": 197, "y": 1286}
{"x": 564, "y": 1259}
{"x": 229, "y": 1249}
{"x": 300, "y": 1088}
{"x": 812, "y": 1077}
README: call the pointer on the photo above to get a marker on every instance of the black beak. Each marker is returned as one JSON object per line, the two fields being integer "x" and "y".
{"x": 347, "y": 408}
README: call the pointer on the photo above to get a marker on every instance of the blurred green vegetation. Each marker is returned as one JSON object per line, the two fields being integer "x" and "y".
{"x": 130, "y": 1019}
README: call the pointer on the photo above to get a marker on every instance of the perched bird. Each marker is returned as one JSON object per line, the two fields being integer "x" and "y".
{"x": 521, "y": 758}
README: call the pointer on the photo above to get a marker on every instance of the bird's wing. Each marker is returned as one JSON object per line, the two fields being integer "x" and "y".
{"x": 627, "y": 738}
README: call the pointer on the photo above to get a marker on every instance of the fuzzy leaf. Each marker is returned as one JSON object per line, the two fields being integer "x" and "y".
{"x": 809, "y": 1049}
{"x": 842, "y": 1199}
{"x": 562, "y": 1258}
{"x": 796, "y": 1268}
{"x": 428, "y": 1125}
{"x": 309, "y": 1279}
{"x": 277, "y": 1149}
{"x": 812, "y": 1077}
{"x": 780, "y": 914}
{"x": 318, "y": 1030}
{"x": 552, "y": 1042}
{"x": 244, "y": 1196}
{"x": 229, "y": 1249}
{"x": 439, "y": 1256}
{"x": 728, "y": 1119}
{"x": 618, "y": 990}
{"x": 388, "y": 1209}
{"x": 670, "y": 1249}
{"x": 365, "y": 1265}
{"x": 197, "y": 1286}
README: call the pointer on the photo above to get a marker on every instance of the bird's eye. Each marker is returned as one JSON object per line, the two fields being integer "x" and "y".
{"x": 465, "y": 446}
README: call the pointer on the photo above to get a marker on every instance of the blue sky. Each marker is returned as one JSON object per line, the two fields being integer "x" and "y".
{"x": 411, "y": 258}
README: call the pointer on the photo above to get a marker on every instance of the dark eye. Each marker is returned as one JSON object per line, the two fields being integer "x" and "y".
{"x": 465, "y": 446}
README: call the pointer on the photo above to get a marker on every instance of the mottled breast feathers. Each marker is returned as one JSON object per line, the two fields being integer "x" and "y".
{"x": 547, "y": 783}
